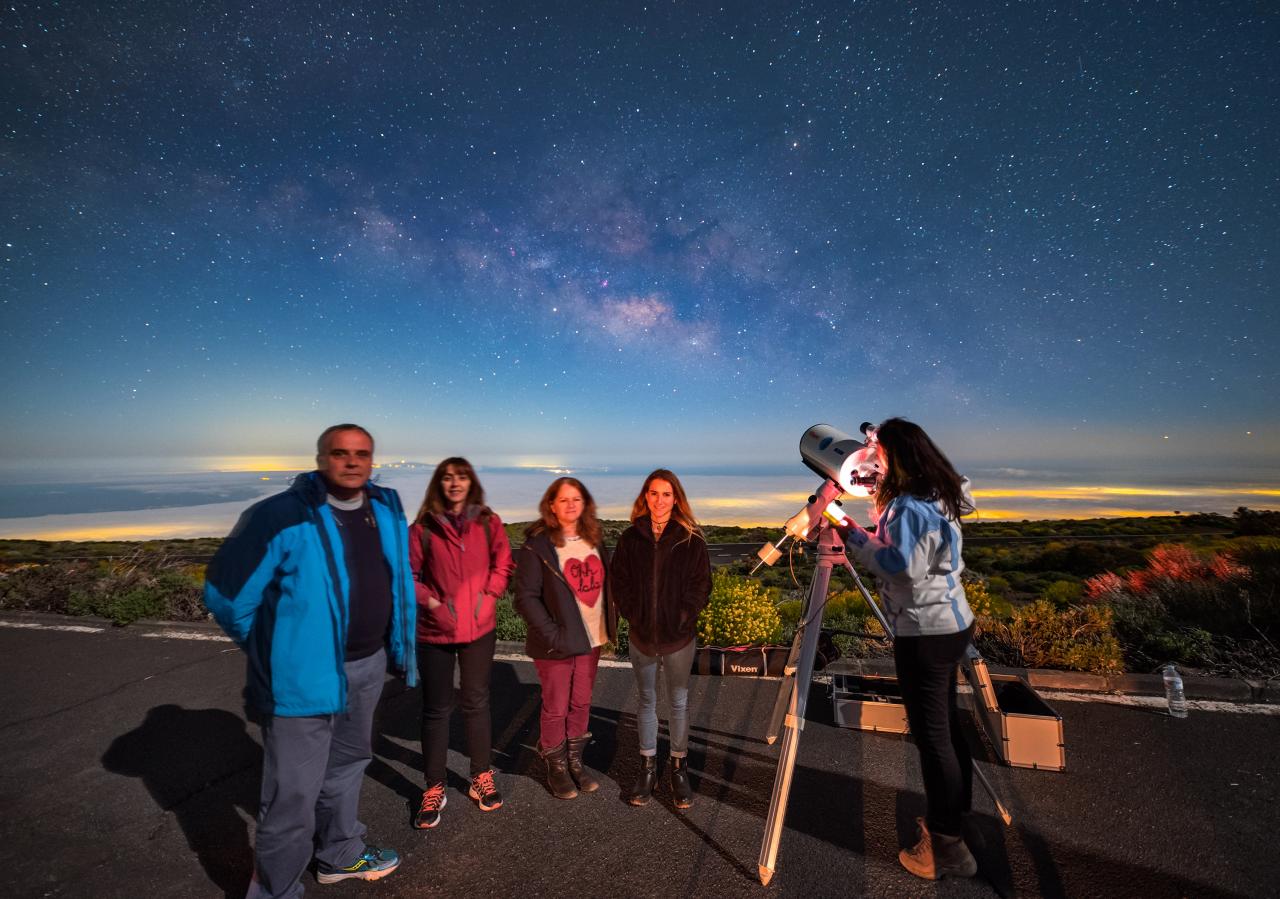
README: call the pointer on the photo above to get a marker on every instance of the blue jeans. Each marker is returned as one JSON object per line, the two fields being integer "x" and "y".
{"x": 676, "y": 667}
{"x": 312, "y": 771}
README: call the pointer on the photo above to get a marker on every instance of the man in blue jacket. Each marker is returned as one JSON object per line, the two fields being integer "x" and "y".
{"x": 314, "y": 586}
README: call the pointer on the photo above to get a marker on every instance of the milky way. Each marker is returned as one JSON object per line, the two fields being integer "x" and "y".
{"x": 678, "y": 232}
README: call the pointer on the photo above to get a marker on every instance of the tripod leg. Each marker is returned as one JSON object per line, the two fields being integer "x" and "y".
{"x": 793, "y": 723}
{"x": 786, "y": 687}
{"x": 986, "y": 785}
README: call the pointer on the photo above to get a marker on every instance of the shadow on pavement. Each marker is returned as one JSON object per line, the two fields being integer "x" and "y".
{"x": 202, "y": 766}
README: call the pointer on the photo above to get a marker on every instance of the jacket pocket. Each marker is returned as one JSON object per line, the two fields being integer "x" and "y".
{"x": 438, "y": 622}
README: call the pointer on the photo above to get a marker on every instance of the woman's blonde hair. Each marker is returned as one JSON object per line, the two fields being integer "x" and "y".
{"x": 589, "y": 528}
{"x": 681, "y": 513}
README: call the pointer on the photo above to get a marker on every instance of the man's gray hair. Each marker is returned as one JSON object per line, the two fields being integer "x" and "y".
{"x": 329, "y": 431}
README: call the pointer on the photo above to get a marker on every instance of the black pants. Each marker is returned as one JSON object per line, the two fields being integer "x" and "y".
{"x": 927, "y": 676}
{"x": 435, "y": 665}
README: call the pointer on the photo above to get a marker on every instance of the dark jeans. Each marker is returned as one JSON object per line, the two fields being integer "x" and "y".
{"x": 927, "y": 676}
{"x": 435, "y": 664}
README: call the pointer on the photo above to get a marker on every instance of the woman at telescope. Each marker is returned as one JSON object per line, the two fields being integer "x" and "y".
{"x": 661, "y": 579}
{"x": 915, "y": 555}
{"x": 563, "y": 594}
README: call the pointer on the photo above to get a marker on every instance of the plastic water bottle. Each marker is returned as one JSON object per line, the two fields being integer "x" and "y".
{"x": 1173, "y": 692}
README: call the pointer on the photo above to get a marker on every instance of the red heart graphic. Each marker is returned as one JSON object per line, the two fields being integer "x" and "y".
{"x": 585, "y": 577}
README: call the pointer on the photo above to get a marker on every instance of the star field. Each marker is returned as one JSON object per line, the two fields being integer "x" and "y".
{"x": 612, "y": 231}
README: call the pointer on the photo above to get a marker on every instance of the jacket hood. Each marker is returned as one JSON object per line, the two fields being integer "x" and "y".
{"x": 966, "y": 491}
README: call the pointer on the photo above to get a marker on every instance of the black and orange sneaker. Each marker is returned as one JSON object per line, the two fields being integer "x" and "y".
{"x": 484, "y": 792}
{"x": 433, "y": 802}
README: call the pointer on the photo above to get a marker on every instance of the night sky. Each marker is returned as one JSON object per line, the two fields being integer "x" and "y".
{"x": 614, "y": 233}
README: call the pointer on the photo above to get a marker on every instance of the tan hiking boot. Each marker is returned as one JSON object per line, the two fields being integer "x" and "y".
{"x": 937, "y": 856}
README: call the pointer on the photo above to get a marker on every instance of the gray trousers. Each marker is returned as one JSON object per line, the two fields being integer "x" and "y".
{"x": 312, "y": 771}
{"x": 676, "y": 668}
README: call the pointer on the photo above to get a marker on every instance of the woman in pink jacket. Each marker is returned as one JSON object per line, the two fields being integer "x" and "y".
{"x": 461, "y": 560}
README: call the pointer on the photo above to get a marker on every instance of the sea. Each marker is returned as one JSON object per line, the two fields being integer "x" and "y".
{"x": 174, "y": 498}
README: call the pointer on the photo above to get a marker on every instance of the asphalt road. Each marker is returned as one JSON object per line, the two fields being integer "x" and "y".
{"x": 127, "y": 769}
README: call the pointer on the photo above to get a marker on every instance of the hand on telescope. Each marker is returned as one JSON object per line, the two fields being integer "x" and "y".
{"x": 850, "y": 532}
{"x": 855, "y": 535}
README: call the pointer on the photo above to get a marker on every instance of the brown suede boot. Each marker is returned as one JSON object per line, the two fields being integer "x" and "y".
{"x": 586, "y": 783}
{"x": 558, "y": 779}
{"x": 937, "y": 856}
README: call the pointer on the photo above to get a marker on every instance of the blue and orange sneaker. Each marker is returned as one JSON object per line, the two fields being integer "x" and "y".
{"x": 373, "y": 864}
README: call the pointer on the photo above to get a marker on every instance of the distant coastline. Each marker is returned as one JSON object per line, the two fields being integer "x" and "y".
{"x": 187, "y": 504}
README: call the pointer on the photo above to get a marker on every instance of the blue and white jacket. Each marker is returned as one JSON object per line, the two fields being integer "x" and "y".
{"x": 278, "y": 585}
{"x": 915, "y": 555}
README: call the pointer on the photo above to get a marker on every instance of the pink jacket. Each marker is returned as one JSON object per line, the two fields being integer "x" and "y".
{"x": 466, "y": 572}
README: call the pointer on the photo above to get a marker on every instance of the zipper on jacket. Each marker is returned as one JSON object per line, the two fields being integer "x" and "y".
{"x": 341, "y": 629}
{"x": 653, "y": 593}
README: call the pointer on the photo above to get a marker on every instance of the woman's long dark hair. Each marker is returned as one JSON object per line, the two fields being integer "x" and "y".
{"x": 917, "y": 468}
{"x": 589, "y": 528}
{"x": 681, "y": 512}
{"x": 433, "y": 502}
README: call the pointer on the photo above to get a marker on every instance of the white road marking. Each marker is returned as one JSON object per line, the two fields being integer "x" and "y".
{"x": 188, "y": 635}
{"x": 73, "y": 628}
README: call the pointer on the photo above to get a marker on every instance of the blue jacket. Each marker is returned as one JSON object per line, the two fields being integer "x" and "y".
{"x": 915, "y": 556}
{"x": 278, "y": 586}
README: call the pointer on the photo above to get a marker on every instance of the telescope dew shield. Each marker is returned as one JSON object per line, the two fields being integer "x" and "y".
{"x": 831, "y": 453}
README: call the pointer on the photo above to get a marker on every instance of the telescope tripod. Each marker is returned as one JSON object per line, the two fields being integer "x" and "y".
{"x": 793, "y": 692}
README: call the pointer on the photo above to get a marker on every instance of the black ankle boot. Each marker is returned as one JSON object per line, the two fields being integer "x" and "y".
{"x": 558, "y": 779}
{"x": 646, "y": 780}
{"x": 681, "y": 788}
{"x": 586, "y": 783}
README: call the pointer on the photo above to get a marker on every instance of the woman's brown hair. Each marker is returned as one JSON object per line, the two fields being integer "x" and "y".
{"x": 589, "y": 528}
{"x": 433, "y": 502}
{"x": 918, "y": 468}
{"x": 681, "y": 513}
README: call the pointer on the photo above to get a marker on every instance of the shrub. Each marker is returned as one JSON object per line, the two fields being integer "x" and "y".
{"x": 1063, "y": 593}
{"x": 47, "y": 587}
{"x": 123, "y": 590}
{"x": 1041, "y": 636}
{"x": 1251, "y": 523}
{"x": 739, "y": 613}
{"x": 510, "y": 625}
{"x": 983, "y": 602}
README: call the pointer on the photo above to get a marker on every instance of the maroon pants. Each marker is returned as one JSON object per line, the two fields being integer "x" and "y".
{"x": 566, "y": 696}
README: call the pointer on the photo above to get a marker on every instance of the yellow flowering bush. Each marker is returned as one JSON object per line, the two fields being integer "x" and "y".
{"x": 740, "y": 612}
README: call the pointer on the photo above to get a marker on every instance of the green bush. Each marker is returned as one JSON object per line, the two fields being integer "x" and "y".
{"x": 510, "y": 625}
{"x": 982, "y": 601}
{"x": 740, "y": 613}
{"x": 1063, "y": 594}
{"x": 46, "y": 587}
{"x": 1041, "y": 636}
{"x": 143, "y": 585}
